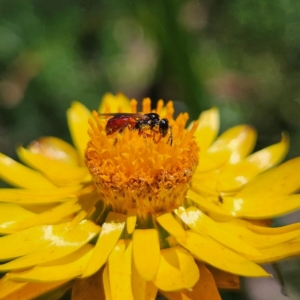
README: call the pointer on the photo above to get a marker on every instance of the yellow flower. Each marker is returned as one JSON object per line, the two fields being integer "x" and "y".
{"x": 144, "y": 217}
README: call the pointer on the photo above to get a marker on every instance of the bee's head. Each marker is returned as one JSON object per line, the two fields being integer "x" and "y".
{"x": 163, "y": 127}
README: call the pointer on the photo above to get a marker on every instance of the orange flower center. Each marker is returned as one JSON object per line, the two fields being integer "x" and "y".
{"x": 134, "y": 172}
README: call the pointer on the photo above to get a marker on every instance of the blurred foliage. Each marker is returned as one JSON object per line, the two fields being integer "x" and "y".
{"x": 240, "y": 55}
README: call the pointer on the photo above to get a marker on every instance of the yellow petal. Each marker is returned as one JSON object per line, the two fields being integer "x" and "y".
{"x": 106, "y": 284}
{"x": 110, "y": 233}
{"x": 33, "y": 290}
{"x": 210, "y": 251}
{"x": 264, "y": 229}
{"x": 78, "y": 116}
{"x": 259, "y": 241}
{"x": 206, "y": 205}
{"x": 169, "y": 223}
{"x": 18, "y": 175}
{"x": 55, "y": 149}
{"x": 146, "y": 252}
{"x": 201, "y": 223}
{"x": 177, "y": 270}
{"x": 278, "y": 252}
{"x": 58, "y": 172}
{"x": 28, "y": 240}
{"x": 115, "y": 102}
{"x": 131, "y": 221}
{"x": 208, "y": 128}
{"x": 11, "y": 214}
{"x": 142, "y": 289}
{"x": 259, "y": 207}
{"x": 71, "y": 267}
{"x": 52, "y": 216}
{"x": 239, "y": 139}
{"x": 89, "y": 288}
{"x": 65, "y": 243}
{"x": 7, "y": 286}
{"x": 205, "y": 287}
{"x": 119, "y": 269}
{"x": 234, "y": 176}
{"x": 212, "y": 160}
{"x": 38, "y": 196}
{"x": 281, "y": 180}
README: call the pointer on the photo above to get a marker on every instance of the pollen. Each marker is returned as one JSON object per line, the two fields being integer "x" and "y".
{"x": 131, "y": 172}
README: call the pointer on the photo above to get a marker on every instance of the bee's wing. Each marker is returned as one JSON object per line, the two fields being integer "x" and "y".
{"x": 120, "y": 115}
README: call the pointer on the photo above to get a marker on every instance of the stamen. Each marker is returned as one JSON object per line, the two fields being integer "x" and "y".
{"x": 107, "y": 108}
{"x": 133, "y": 104}
{"x": 159, "y": 106}
{"x": 170, "y": 110}
{"x": 146, "y": 105}
{"x": 194, "y": 127}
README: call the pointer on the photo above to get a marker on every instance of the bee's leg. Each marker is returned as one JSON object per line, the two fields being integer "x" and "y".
{"x": 155, "y": 141}
{"x": 121, "y": 130}
{"x": 144, "y": 135}
{"x": 170, "y": 139}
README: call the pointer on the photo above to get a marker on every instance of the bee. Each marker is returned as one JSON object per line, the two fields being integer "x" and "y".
{"x": 147, "y": 125}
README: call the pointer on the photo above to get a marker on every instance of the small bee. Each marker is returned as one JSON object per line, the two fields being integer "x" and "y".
{"x": 147, "y": 125}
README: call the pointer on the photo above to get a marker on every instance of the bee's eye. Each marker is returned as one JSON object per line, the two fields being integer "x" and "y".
{"x": 153, "y": 116}
{"x": 163, "y": 127}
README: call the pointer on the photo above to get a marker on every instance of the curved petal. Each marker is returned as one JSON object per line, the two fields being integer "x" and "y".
{"x": 119, "y": 270}
{"x": 170, "y": 224}
{"x": 232, "y": 177}
{"x": 55, "y": 149}
{"x": 52, "y": 216}
{"x": 28, "y": 240}
{"x": 210, "y": 251}
{"x": 36, "y": 196}
{"x": 264, "y": 229}
{"x": 239, "y": 139}
{"x": 21, "y": 176}
{"x": 110, "y": 233}
{"x": 10, "y": 215}
{"x": 30, "y": 290}
{"x": 212, "y": 160}
{"x": 278, "y": 252}
{"x": 259, "y": 241}
{"x": 206, "y": 205}
{"x": 65, "y": 243}
{"x": 131, "y": 221}
{"x": 206, "y": 287}
{"x": 201, "y": 223}
{"x": 254, "y": 208}
{"x": 282, "y": 180}
{"x": 58, "y": 172}
{"x": 71, "y": 267}
{"x": 89, "y": 288}
{"x": 207, "y": 129}
{"x": 177, "y": 270}
{"x": 146, "y": 252}
{"x": 8, "y": 287}
{"x": 142, "y": 289}
{"x": 106, "y": 283}
{"x": 78, "y": 116}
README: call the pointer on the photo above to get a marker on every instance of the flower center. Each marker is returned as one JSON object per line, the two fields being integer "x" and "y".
{"x": 132, "y": 171}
